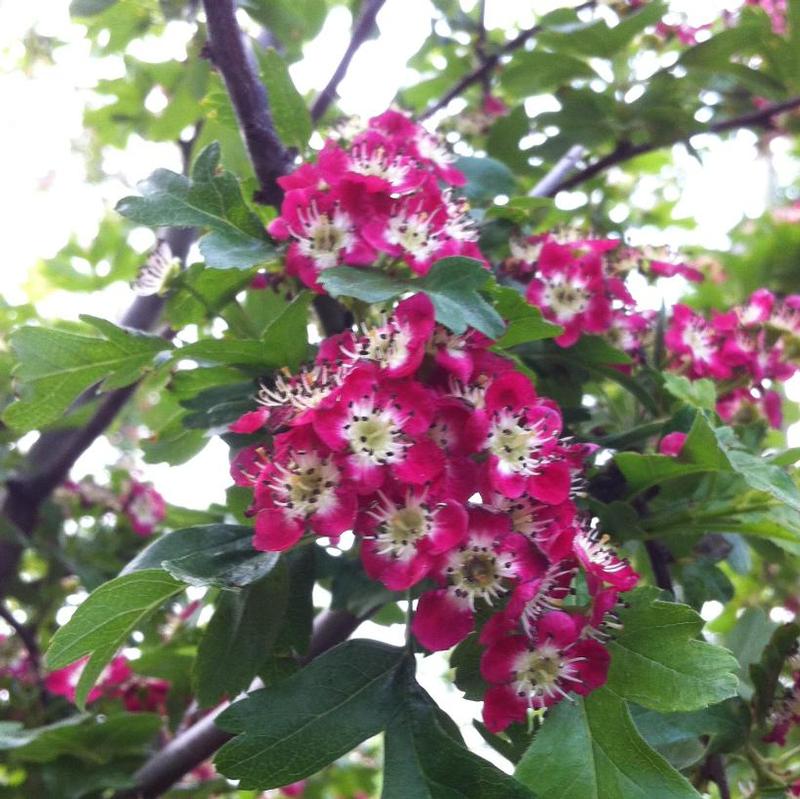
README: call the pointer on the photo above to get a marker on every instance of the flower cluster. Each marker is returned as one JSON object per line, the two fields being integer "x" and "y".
{"x": 579, "y": 283}
{"x": 138, "y": 694}
{"x": 140, "y": 502}
{"x": 448, "y": 467}
{"x": 748, "y": 349}
{"x": 389, "y": 192}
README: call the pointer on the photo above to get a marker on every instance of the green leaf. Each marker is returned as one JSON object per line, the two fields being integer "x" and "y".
{"x": 524, "y": 322}
{"x": 452, "y": 284}
{"x": 299, "y": 725}
{"x": 698, "y": 393}
{"x": 677, "y": 735}
{"x": 657, "y": 662}
{"x": 89, "y": 8}
{"x": 597, "y": 38}
{"x": 102, "y": 624}
{"x": 700, "y": 453}
{"x": 590, "y": 749}
{"x": 231, "y": 351}
{"x": 54, "y": 367}
{"x": 211, "y": 200}
{"x": 538, "y": 71}
{"x": 766, "y": 672}
{"x": 757, "y": 472}
{"x": 289, "y": 110}
{"x": 286, "y": 336}
{"x": 486, "y": 178}
{"x": 425, "y": 761}
{"x": 748, "y": 640}
{"x": 239, "y": 637}
{"x": 94, "y": 740}
{"x": 369, "y": 285}
{"x": 209, "y": 554}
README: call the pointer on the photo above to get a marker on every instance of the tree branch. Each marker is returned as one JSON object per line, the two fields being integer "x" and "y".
{"x": 624, "y": 151}
{"x": 26, "y": 636}
{"x": 483, "y": 71}
{"x": 361, "y": 31}
{"x": 549, "y": 185}
{"x": 54, "y": 454}
{"x": 269, "y": 157}
{"x": 197, "y": 743}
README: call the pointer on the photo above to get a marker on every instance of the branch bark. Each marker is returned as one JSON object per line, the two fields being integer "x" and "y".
{"x": 482, "y": 73}
{"x": 361, "y": 31}
{"x": 197, "y": 743}
{"x": 625, "y": 151}
{"x": 235, "y": 63}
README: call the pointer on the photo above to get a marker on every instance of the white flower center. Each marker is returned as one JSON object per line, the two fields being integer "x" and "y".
{"x": 377, "y": 164}
{"x": 324, "y": 237}
{"x": 699, "y": 341}
{"x": 401, "y": 528}
{"x": 306, "y": 485}
{"x": 566, "y": 300}
{"x": 538, "y": 673}
{"x": 374, "y": 434}
{"x": 516, "y": 444}
{"x": 413, "y": 234}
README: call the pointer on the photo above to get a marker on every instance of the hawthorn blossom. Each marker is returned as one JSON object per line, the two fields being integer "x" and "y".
{"x": 144, "y": 507}
{"x": 527, "y": 672}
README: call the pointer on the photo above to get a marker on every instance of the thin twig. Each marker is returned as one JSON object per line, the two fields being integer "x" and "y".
{"x": 624, "y": 151}
{"x": 484, "y": 70}
{"x": 549, "y": 185}
{"x": 361, "y": 31}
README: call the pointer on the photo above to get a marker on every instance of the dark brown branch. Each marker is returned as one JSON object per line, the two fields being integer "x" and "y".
{"x": 483, "y": 71}
{"x": 361, "y": 31}
{"x": 714, "y": 770}
{"x": 625, "y": 151}
{"x": 660, "y": 558}
{"x": 227, "y": 50}
{"x": 26, "y": 636}
{"x": 197, "y": 743}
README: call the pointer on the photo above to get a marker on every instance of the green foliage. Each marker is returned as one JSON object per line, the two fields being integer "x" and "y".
{"x": 93, "y": 741}
{"x": 766, "y": 672}
{"x": 289, "y": 731}
{"x": 657, "y": 661}
{"x": 452, "y": 284}
{"x": 289, "y": 111}
{"x": 426, "y": 758}
{"x": 605, "y": 756}
{"x": 102, "y": 624}
{"x": 213, "y": 554}
{"x": 211, "y": 199}
{"x": 240, "y": 636}
{"x": 55, "y": 366}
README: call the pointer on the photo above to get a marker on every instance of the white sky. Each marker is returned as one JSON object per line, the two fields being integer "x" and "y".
{"x": 45, "y": 196}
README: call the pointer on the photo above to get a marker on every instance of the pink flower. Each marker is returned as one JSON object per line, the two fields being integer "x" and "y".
{"x": 601, "y": 563}
{"x": 527, "y": 673}
{"x": 250, "y": 422}
{"x": 295, "y": 789}
{"x": 666, "y": 269}
{"x": 521, "y": 434}
{"x": 483, "y": 567}
{"x": 402, "y": 536}
{"x": 144, "y": 507}
{"x": 672, "y": 444}
{"x": 301, "y": 489}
